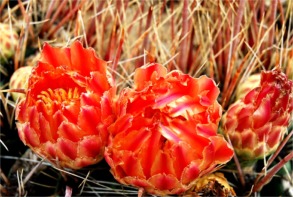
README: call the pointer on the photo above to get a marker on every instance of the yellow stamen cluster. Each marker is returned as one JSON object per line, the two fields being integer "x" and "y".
{"x": 58, "y": 95}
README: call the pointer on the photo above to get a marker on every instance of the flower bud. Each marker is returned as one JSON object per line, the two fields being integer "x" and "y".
{"x": 256, "y": 123}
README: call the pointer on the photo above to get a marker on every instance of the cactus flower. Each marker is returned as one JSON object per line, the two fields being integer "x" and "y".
{"x": 61, "y": 118}
{"x": 256, "y": 124}
{"x": 19, "y": 80}
{"x": 8, "y": 41}
{"x": 165, "y": 135}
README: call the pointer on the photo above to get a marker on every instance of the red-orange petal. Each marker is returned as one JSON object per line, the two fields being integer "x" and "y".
{"x": 163, "y": 182}
{"x": 131, "y": 164}
{"x": 70, "y": 131}
{"x": 190, "y": 173}
{"x": 223, "y": 151}
{"x": 183, "y": 155}
{"x": 30, "y": 135}
{"x": 55, "y": 56}
{"x": 86, "y": 61}
{"x": 87, "y": 116}
{"x": 163, "y": 163}
{"x": 249, "y": 139}
{"x": 90, "y": 146}
{"x": 144, "y": 75}
{"x": 262, "y": 115}
{"x": 66, "y": 149}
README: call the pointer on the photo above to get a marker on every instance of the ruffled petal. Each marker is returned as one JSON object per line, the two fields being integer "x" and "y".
{"x": 146, "y": 74}
{"x": 55, "y": 56}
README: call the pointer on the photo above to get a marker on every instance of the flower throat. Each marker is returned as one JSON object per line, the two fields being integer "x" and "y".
{"x": 60, "y": 95}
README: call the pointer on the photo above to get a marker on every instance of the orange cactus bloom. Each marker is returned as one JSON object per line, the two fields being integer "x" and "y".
{"x": 256, "y": 123}
{"x": 61, "y": 118}
{"x": 165, "y": 135}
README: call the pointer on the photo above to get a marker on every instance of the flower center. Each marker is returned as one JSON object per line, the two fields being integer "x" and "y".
{"x": 60, "y": 95}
